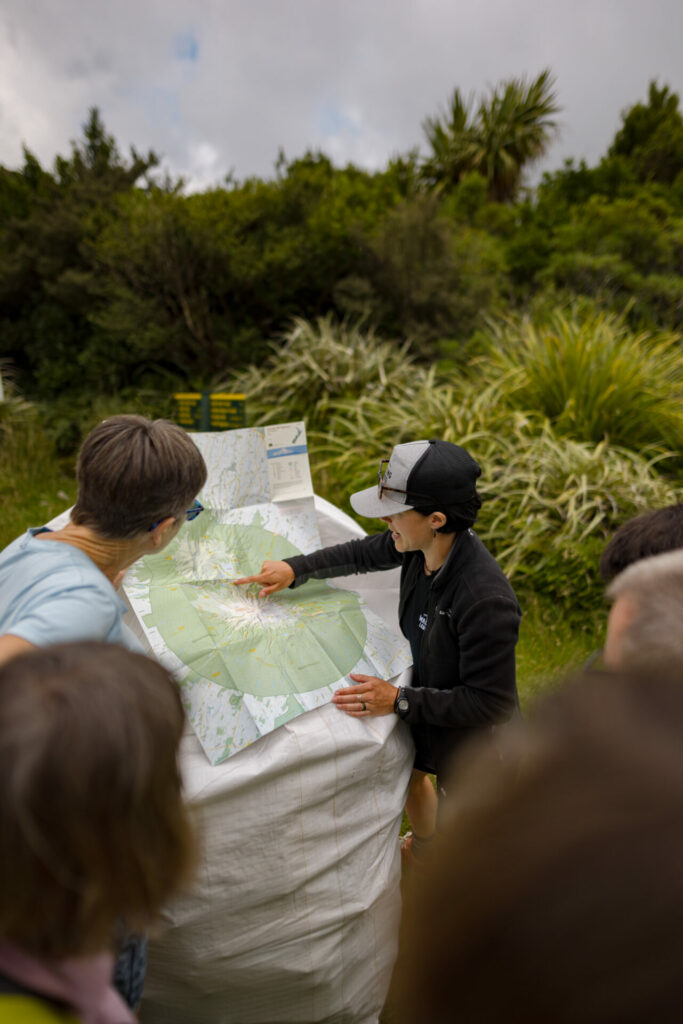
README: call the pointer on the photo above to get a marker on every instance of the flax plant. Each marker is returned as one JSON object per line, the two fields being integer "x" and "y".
{"x": 550, "y": 502}
{"x": 591, "y": 376}
{"x": 553, "y": 490}
{"x": 320, "y": 364}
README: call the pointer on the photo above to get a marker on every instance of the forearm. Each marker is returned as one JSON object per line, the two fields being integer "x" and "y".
{"x": 369, "y": 554}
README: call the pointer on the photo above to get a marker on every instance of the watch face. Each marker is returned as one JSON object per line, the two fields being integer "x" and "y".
{"x": 403, "y": 706}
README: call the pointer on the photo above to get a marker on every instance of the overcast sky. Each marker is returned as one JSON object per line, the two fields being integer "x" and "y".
{"x": 221, "y": 85}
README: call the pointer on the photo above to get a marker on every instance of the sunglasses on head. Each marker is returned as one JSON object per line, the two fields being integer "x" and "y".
{"x": 191, "y": 514}
{"x": 409, "y": 495}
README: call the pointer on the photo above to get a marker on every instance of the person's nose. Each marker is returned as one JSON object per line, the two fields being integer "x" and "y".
{"x": 386, "y": 519}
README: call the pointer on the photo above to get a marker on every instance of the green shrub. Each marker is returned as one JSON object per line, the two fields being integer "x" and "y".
{"x": 69, "y": 418}
{"x": 550, "y": 502}
{"x": 591, "y": 377}
{"x": 321, "y": 364}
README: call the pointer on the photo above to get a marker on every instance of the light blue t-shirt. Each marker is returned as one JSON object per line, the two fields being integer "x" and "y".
{"x": 51, "y": 592}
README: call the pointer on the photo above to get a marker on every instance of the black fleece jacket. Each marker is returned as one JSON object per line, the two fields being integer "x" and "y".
{"x": 467, "y": 653}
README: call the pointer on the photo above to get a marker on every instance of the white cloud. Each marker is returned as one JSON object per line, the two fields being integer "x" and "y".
{"x": 204, "y": 167}
{"x": 215, "y": 85}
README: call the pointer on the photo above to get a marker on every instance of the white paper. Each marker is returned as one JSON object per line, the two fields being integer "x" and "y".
{"x": 288, "y": 469}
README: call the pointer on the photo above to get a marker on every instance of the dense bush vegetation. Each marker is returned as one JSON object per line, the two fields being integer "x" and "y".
{"x": 110, "y": 280}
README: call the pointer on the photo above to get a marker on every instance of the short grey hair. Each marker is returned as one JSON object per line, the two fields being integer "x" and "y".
{"x": 654, "y": 587}
{"x": 133, "y": 472}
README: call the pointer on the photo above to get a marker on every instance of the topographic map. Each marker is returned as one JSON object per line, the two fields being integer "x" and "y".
{"x": 246, "y": 664}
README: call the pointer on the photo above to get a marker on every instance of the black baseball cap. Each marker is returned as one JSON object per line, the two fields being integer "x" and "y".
{"x": 420, "y": 473}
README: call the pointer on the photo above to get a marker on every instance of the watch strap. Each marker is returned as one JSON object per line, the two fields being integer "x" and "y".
{"x": 401, "y": 704}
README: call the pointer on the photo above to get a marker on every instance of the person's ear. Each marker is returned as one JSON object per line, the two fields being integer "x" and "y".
{"x": 437, "y": 520}
{"x": 159, "y": 534}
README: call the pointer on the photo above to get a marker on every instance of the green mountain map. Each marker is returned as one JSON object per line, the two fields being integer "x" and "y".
{"x": 247, "y": 664}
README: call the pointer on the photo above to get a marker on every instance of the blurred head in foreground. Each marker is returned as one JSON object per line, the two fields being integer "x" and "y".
{"x": 555, "y": 894}
{"x": 93, "y": 823}
{"x": 645, "y": 625}
{"x": 651, "y": 533}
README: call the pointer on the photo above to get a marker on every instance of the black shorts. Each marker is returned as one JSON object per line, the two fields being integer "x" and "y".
{"x": 425, "y": 754}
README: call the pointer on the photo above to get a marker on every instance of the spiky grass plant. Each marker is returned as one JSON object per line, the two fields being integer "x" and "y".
{"x": 551, "y": 500}
{"x": 550, "y": 503}
{"x": 14, "y": 409}
{"x": 591, "y": 376}
{"x": 323, "y": 363}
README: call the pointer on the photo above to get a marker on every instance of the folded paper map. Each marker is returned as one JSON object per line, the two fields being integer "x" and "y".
{"x": 247, "y": 664}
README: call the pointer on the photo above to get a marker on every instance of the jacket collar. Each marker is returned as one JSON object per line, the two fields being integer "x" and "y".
{"x": 454, "y": 560}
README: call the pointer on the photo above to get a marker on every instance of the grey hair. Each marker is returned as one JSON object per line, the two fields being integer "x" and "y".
{"x": 654, "y": 588}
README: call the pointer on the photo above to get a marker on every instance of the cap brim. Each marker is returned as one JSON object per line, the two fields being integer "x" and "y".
{"x": 368, "y": 503}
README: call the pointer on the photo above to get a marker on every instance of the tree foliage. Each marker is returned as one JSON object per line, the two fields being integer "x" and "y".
{"x": 651, "y": 137}
{"x": 110, "y": 281}
{"x": 510, "y": 129}
{"x": 49, "y": 286}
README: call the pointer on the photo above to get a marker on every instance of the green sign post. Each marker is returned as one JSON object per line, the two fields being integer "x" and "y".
{"x": 207, "y": 410}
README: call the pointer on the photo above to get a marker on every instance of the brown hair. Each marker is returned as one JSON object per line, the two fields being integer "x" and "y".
{"x": 133, "y": 472}
{"x": 93, "y": 824}
{"x": 645, "y": 535}
{"x": 458, "y": 517}
{"x": 556, "y": 891}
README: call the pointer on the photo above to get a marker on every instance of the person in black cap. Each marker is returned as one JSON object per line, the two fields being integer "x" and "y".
{"x": 456, "y": 608}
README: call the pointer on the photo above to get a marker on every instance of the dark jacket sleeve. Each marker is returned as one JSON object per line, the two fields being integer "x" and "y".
{"x": 485, "y": 689}
{"x": 368, "y": 554}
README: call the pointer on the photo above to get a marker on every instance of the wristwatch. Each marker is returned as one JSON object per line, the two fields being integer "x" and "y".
{"x": 401, "y": 704}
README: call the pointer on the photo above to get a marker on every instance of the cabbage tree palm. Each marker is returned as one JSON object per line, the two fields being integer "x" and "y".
{"x": 511, "y": 128}
{"x": 453, "y": 142}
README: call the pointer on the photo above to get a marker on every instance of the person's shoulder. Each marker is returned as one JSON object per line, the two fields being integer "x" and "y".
{"x": 55, "y": 567}
{"x": 478, "y": 551}
{"x": 481, "y": 573}
{"x": 22, "y": 561}
{"x": 16, "y": 547}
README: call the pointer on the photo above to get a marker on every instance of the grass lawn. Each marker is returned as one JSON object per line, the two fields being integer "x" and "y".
{"x": 31, "y": 494}
{"x": 553, "y": 643}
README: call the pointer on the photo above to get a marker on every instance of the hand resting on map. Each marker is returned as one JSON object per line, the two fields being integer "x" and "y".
{"x": 274, "y": 576}
{"x": 372, "y": 696}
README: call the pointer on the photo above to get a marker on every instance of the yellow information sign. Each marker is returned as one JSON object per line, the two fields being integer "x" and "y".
{"x": 205, "y": 410}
